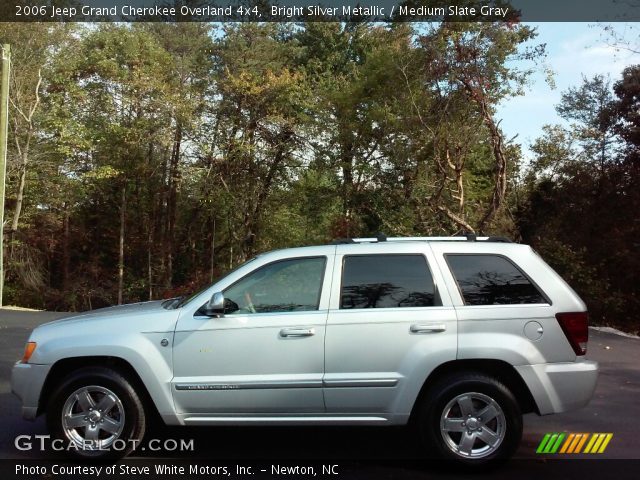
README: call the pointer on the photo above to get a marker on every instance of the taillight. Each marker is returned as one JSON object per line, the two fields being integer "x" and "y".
{"x": 574, "y": 325}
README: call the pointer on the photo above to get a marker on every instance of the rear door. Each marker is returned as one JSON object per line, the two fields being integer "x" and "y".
{"x": 390, "y": 323}
{"x": 503, "y": 310}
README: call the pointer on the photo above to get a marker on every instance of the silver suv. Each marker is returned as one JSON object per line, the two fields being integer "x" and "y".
{"x": 458, "y": 336}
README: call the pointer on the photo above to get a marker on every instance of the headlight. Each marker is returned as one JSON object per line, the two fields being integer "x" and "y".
{"x": 29, "y": 348}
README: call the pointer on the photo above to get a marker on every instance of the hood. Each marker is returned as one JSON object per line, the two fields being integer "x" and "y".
{"x": 131, "y": 310}
{"x": 106, "y": 331}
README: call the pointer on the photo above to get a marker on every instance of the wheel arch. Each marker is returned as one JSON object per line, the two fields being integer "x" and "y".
{"x": 62, "y": 368}
{"x": 498, "y": 369}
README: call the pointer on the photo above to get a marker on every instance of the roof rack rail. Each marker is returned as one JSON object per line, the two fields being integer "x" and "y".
{"x": 499, "y": 239}
{"x": 380, "y": 237}
{"x": 383, "y": 238}
{"x": 342, "y": 241}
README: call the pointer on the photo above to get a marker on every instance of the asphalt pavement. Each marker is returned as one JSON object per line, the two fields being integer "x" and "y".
{"x": 614, "y": 408}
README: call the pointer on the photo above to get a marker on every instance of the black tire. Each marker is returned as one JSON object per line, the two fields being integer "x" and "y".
{"x": 453, "y": 392}
{"x": 128, "y": 415}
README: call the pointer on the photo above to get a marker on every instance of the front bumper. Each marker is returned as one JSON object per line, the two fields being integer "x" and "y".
{"x": 26, "y": 382}
{"x": 560, "y": 387}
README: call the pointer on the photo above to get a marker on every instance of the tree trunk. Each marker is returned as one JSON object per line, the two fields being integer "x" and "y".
{"x": 149, "y": 267}
{"x": 21, "y": 184}
{"x": 213, "y": 250}
{"x": 174, "y": 179}
{"x": 500, "y": 186}
{"x": 346, "y": 165}
{"x": 24, "y": 152}
{"x": 347, "y": 184}
{"x": 497, "y": 145}
{"x": 123, "y": 207}
{"x": 160, "y": 223}
{"x": 65, "y": 249}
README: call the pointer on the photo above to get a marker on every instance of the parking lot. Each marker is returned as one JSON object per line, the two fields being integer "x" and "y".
{"x": 615, "y": 408}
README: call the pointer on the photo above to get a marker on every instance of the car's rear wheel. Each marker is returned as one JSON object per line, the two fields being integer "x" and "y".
{"x": 471, "y": 418}
{"x": 97, "y": 414}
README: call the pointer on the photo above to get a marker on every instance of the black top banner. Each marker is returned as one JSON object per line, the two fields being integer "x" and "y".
{"x": 323, "y": 10}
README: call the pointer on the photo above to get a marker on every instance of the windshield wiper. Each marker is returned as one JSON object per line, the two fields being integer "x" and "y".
{"x": 173, "y": 303}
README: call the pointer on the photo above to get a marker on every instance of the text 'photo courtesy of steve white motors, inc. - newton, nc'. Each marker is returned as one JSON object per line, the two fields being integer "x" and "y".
{"x": 193, "y": 469}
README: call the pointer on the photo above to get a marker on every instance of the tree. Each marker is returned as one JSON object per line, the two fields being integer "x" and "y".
{"x": 555, "y": 155}
{"x": 464, "y": 72}
{"x": 588, "y": 106}
{"x": 190, "y": 46}
{"x": 175, "y": 151}
{"x": 581, "y": 214}
{"x": 346, "y": 136}
{"x": 260, "y": 108}
{"x": 33, "y": 47}
{"x": 625, "y": 112}
{"x": 118, "y": 100}
{"x": 623, "y": 36}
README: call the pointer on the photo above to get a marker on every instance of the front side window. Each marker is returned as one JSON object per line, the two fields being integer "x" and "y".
{"x": 285, "y": 286}
{"x": 386, "y": 281}
{"x": 492, "y": 280}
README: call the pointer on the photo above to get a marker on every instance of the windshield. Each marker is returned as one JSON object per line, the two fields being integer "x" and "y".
{"x": 186, "y": 299}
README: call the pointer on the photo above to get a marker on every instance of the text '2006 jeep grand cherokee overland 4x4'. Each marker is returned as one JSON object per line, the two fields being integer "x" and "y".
{"x": 459, "y": 335}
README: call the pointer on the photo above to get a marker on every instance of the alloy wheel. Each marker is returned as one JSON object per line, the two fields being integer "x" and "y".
{"x": 93, "y": 417}
{"x": 473, "y": 425}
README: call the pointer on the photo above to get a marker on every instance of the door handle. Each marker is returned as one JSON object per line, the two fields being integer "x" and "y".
{"x": 428, "y": 328}
{"x": 297, "y": 332}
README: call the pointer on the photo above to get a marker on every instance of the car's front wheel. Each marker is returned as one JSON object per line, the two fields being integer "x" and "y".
{"x": 471, "y": 418}
{"x": 97, "y": 414}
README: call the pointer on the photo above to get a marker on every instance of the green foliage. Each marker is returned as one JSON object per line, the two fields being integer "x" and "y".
{"x": 589, "y": 106}
{"x": 196, "y": 146}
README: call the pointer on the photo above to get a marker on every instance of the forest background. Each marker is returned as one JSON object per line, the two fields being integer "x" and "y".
{"x": 147, "y": 159}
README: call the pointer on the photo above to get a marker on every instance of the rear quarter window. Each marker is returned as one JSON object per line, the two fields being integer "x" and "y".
{"x": 492, "y": 280}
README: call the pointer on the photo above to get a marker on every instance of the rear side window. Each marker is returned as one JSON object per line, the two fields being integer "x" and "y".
{"x": 386, "y": 281}
{"x": 492, "y": 280}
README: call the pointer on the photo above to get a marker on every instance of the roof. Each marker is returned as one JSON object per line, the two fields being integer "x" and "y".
{"x": 383, "y": 238}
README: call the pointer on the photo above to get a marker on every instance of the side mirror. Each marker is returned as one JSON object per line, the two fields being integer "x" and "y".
{"x": 216, "y": 305}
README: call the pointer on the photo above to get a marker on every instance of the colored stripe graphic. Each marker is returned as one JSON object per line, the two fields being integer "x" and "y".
{"x": 598, "y": 442}
{"x": 544, "y": 441}
{"x": 550, "y": 443}
{"x": 606, "y": 442}
{"x": 591, "y": 442}
{"x": 578, "y": 442}
{"x": 567, "y": 442}
{"x": 596, "y": 445}
{"x": 556, "y": 445}
{"x": 582, "y": 442}
{"x": 572, "y": 443}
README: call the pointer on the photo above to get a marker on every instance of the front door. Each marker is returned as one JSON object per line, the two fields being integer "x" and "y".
{"x": 266, "y": 354}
